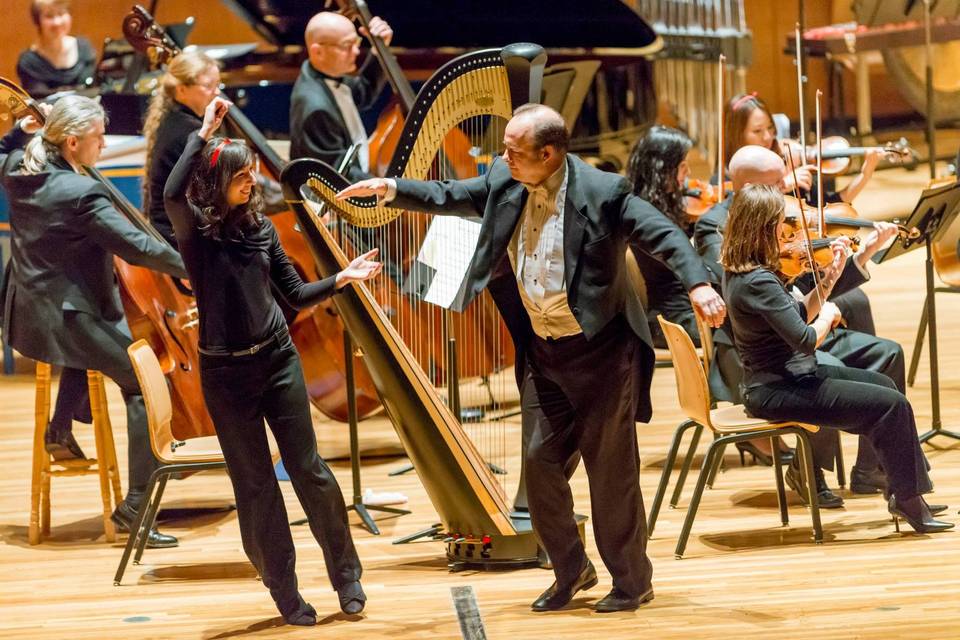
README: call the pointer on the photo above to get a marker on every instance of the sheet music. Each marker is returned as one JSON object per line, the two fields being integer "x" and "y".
{"x": 448, "y": 248}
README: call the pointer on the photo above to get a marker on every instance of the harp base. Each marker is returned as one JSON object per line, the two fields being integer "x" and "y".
{"x": 519, "y": 551}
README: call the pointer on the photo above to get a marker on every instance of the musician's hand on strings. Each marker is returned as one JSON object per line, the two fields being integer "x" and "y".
{"x": 369, "y": 187}
{"x": 881, "y": 234}
{"x": 840, "y": 247}
{"x": 213, "y": 117}
{"x": 380, "y": 29}
{"x": 360, "y": 268}
{"x": 30, "y": 124}
{"x": 708, "y": 304}
{"x": 804, "y": 179}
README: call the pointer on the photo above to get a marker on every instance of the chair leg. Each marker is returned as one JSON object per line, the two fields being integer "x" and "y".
{"x": 811, "y": 485}
{"x": 717, "y": 463}
{"x": 665, "y": 475}
{"x": 918, "y": 344}
{"x": 685, "y": 469}
{"x": 716, "y": 447}
{"x": 150, "y": 518}
{"x": 41, "y": 460}
{"x": 841, "y": 470}
{"x": 98, "y": 409}
{"x": 135, "y": 528}
{"x": 781, "y": 491}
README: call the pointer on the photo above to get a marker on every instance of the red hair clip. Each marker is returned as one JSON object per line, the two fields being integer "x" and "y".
{"x": 216, "y": 152}
{"x": 743, "y": 100}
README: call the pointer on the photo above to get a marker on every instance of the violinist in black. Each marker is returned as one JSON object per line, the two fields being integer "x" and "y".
{"x": 776, "y": 336}
{"x": 249, "y": 369}
{"x": 56, "y": 60}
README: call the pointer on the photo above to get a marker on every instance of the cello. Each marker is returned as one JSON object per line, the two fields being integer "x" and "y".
{"x": 159, "y": 308}
{"x": 317, "y": 331}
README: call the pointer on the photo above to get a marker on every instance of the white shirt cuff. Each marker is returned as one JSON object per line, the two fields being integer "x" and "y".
{"x": 391, "y": 191}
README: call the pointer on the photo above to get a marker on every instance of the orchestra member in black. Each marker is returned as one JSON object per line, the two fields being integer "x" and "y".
{"x": 561, "y": 227}
{"x": 190, "y": 83}
{"x": 249, "y": 369}
{"x": 331, "y": 91}
{"x": 776, "y": 336}
{"x": 755, "y": 165}
{"x": 62, "y": 302}
{"x": 56, "y": 60}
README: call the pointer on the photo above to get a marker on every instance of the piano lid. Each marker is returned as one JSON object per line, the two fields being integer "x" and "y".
{"x": 600, "y": 25}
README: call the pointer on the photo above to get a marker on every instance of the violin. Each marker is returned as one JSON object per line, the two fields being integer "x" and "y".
{"x": 837, "y": 153}
{"x": 701, "y": 196}
{"x": 840, "y": 217}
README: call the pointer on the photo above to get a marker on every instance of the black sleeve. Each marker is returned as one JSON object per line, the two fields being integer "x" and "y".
{"x": 15, "y": 139}
{"x": 112, "y": 231}
{"x": 181, "y": 213}
{"x": 708, "y": 238}
{"x": 765, "y": 297}
{"x": 87, "y": 61}
{"x": 29, "y": 75}
{"x": 659, "y": 236}
{"x": 295, "y": 291}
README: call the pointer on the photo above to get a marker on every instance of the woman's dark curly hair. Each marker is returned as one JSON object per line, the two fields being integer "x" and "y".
{"x": 652, "y": 170}
{"x": 208, "y": 192}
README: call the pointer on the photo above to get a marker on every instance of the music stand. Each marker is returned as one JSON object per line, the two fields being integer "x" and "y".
{"x": 934, "y": 213}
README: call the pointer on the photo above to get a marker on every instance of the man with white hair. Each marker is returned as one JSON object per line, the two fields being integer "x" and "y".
{"x": 331, "y": 91}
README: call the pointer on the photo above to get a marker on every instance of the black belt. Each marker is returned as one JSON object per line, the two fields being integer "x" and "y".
{"x": 276, "y": 337}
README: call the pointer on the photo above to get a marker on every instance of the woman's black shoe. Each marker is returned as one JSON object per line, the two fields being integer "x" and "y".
{"x": 914, "y": 510}
{"x": 299, "y": 613}
{"x": 866, "y": 482}
{"x": 352, "y": 598}
{"x": 62, "y": 446}
{"x": 123, "y": 518}
{"x": 764, "y": 458}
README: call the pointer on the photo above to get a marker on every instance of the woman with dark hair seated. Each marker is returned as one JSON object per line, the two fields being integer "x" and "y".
{"x": 249, "y": 369}
{"x": 56, "y": 60}
{"x": 776, "y": 336}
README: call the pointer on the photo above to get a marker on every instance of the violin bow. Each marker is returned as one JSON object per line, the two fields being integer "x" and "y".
{"x": 803, "y": 119}
{"x": 720, "y": 144}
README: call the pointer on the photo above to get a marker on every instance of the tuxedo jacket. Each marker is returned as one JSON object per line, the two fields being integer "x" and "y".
{"x": 601, "y": 217}
{"x": 65, "y": 233}
{"x": 317, "y": 128}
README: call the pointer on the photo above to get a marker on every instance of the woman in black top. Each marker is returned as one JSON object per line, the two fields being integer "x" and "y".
{"x": 776, "y": 335}
{"x": 249, "y": 368}
{"x": 190, "y": 83}
{"x": 56, "y": 60}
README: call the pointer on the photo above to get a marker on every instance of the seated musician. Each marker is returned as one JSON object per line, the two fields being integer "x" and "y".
{"x": 62, "y": 299}
{"x": 191, "y": 82}
{"x": 846, "y": 346}
{"x": 777, "y": 335}
{"x": 56, "y": 60}
{"x": 249, "y": 369}
{"x": 748, "y": 121}
{"x": 330, "y": 92}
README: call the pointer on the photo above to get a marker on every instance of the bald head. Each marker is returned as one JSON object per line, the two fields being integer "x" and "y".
{"x": 332, "y": 44}
{"x": 535, "y": 143}
{"x": 753, "y": 164}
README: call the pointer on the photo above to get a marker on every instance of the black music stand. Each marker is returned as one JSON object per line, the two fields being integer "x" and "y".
{"x": 935, "y": 211}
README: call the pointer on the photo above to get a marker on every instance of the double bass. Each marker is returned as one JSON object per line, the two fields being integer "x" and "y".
{"x": 317, "y": 331}
{"x": 159, "y": 308}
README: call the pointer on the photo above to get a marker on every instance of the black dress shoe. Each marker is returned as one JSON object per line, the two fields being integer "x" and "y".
{"x": 866, "y": 482}
{"x": 62, "y": 446}
{"x": 914, "y": 510}
{"x": 617, "y": 600}
{"x": 557, "y": 598}
{"x": 826, "y": 498}
{"x": 352, "y": 598}
{"x": 298, "y": 612}
{"x": 123, "y": 518}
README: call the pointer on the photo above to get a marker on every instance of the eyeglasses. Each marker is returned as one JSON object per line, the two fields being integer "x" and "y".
{"x": 209, "y": 86}
{"x": 344, "y": 45}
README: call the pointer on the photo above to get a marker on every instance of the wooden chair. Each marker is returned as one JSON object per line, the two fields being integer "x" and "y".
{"x": 45, "y": 467}
{"x": 730, "y": 425}
{"x": 196, "y": 454}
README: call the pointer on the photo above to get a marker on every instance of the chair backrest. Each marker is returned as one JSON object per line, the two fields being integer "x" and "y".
{"x": 706, "y": 342}
{"x": 692, "y": 387}
{"x": 635, "y": 277}
{"x": 156, "y": 397}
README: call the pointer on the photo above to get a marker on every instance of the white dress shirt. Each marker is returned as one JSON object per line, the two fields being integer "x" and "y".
{"x": 351, "y": 117}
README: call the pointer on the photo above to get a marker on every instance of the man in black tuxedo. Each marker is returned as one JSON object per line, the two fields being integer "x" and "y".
{"x": 560, "y": 229}
{"x": 330, "y": 91}
{"x": 61, "y": 302}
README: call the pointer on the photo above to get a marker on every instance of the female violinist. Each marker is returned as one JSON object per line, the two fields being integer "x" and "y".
{"x": 748, "y": 121}
{"x": 250, "y": 371}
{"x": 777, "y": 335}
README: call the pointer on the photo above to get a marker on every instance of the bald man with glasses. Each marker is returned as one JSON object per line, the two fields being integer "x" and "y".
{"x": 331, "y": 91}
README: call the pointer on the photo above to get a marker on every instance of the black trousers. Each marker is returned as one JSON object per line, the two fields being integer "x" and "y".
{"x": 73, "y": 401}
{"x": 240, "y": 393}
{"x": 856, "y": 401}
{"x": 579, "y": 398}
{"x": 105, "y": 348}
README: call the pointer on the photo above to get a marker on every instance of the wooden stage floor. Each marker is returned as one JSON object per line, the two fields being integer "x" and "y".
{"x": 743, "y": 575}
